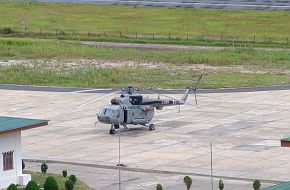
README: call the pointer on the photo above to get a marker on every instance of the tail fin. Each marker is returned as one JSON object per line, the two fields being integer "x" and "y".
{"x": 184, "y": 97}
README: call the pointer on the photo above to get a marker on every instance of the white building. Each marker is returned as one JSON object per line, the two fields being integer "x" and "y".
{"x": 10, "y": 149}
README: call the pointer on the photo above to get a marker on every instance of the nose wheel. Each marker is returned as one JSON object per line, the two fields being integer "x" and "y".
{"x": 151, "y": 127}
{"x": 112, "y": 130}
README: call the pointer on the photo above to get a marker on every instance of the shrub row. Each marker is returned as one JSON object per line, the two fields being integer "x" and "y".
{"x": 188, "y": 182}
{"x": 50, "y": 182}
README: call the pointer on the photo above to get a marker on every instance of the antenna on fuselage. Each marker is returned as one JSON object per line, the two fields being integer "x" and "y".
{"x": 130, "y": 89}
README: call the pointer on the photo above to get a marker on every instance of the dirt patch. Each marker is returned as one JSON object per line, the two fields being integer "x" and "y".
{"x": 99, "y": 63}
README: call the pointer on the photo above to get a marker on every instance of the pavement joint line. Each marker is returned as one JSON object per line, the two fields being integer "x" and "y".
{"x": 140, "y": 170}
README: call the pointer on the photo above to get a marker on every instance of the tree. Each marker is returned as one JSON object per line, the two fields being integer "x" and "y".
{"x": 187, "y": 181}
{"x": 221, "y": 184}
{"x": 159, "y": 187}
{"x": 256, "y": 185}
{"x": 44, "y": 167}
{"x": 50, "y": 184}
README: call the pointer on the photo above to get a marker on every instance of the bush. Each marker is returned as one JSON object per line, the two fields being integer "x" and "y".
{"x": 44, "y": 168}
{"x": 62, "y": 32}
{"x": 7, "y": 30}
{"x": 50, "y": 184}
{"x": 12, "y": 187}
{"x": 159, "y": 187}
{"x": 256, "y": 185}
{"x": 64, "y": 173}
{"x": 221, "y": 185}
{"x": 69, "y": 185}
{"x": 187, "y": 181}
{"x": 32, "y": 185}
{"x": 73, "y": 178}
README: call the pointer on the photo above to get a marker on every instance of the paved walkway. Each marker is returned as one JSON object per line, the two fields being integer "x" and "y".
{"x": 214, "y": 4}
{"x": 169, "y": 47}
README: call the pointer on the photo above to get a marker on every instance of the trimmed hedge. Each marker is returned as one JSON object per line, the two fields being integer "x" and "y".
{"x": 73, "y": 178}
{"x": 50, "y": 184}
{"x": 32, "y": 185}
{"x": 69, "y": 185}
{"x": 12, "y": 186}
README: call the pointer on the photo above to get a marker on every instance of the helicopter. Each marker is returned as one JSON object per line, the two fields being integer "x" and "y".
{"x": 131, "y": 108}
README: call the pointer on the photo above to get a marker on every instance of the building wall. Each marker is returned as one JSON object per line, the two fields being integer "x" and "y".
{"x": 11, "y": 142}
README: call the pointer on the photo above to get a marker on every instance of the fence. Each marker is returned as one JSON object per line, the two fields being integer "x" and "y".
{"x": 83, "y": 35}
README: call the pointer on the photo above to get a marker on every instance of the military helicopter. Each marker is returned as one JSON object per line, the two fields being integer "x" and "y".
{"x": 132, "y": 108}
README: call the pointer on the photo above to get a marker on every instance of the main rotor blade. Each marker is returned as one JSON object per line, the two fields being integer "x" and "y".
{"x": 95, "y": 99}
{"x": 80, "y": 91}
{"x": 87, "y": 90}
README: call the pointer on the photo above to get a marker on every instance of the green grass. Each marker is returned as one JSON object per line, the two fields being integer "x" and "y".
{"x": 14, "y": 48}
{"x": 178, "y": 22}
{"x": 174, "y": 70}
{"x": 139, "y": 77}
{"x": 40, "y": 179}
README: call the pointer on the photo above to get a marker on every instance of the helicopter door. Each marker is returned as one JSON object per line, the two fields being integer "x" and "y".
{"x": 125, "y": 116}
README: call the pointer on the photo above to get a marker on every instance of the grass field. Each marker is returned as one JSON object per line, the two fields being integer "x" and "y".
{"x": 14, "y": 48}
{"x": 174, "y": 71}
{"x": 40, "y": 179}
{"x": 144, "y": 20}
{"x": 139, "y": 77}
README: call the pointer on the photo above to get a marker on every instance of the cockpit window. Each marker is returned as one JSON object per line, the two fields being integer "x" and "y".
{"x": 103, "y": 111}
{"x": 110, "y": 112}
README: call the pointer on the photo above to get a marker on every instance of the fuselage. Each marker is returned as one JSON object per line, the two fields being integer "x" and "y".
{"x": 125, "y": 114}
{"x": 132, "y": 108}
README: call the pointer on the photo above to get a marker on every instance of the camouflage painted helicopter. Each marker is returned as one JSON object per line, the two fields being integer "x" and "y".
{"x": 132, "y": 108}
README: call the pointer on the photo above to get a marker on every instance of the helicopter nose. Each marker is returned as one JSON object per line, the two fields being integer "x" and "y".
{"x": 103, "y": 119}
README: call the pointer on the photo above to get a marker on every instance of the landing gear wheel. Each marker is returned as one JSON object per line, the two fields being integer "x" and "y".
{"x": 151, "y": 127}
{"x": 112, "y": 131}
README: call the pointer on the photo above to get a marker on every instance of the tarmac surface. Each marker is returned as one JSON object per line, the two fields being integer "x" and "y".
{"x": 214, "y": 4}
{"x": 244, "y": 127}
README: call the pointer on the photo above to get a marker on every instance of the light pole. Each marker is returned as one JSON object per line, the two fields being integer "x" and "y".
{"x": 121, "y": 108}
{"x": 211, "y": 172}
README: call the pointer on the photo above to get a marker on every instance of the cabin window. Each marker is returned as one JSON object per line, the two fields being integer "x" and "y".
{"x": 136, "y": 100}
{"x": 117, "y": 113}
{"x": 113, "y": 113}
{"x": 7, "y": 160}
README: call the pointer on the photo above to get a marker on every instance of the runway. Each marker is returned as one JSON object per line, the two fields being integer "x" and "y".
{"x": 244, "y": 127}
{"x": 213, "y": 4}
